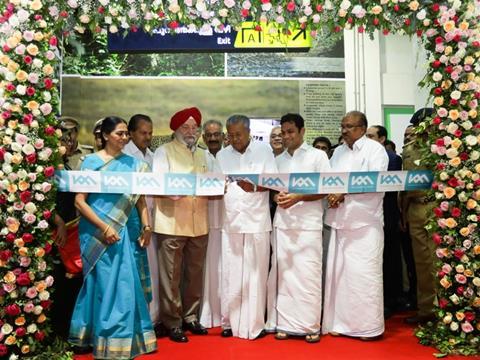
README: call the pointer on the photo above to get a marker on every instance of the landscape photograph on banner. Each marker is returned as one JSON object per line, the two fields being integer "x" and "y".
{"x": 321, "y": 102}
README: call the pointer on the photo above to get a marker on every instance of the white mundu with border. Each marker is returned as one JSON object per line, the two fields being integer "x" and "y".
{"x": 295, "y": 279}
{"x": 245, "y": 242}
{"x": 210, "y": 313}
{"x": 354, "y": 283}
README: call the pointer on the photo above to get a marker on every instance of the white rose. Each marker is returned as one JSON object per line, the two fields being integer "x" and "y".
{"x": 476, "y": 281}
{"x": 21, "y": 89}
{"x": 422, "y": 14}
{"x": 113, "y": 29}
{"x": 44, "y": 295}
{"x": 37, "y": 310}
{"x": 447, "y": 319}
{"x": 223, "y": 12}
{"x": 474, "y": 155}
{"x": 30, "y": 208}
{"x": 28, "y": 149}
{"x": 455, "y": 94}
{"x": 16, "y": 147}
{"x": 467, "y": 125}
{"x": 451, "y": 153}
{"x": 39, "y": 197}
{"x": 437, "y": 76}
{"x": 7, "y": 329}
{"x": 444, "y": 176}
{"x": 454, "y": 326}
{"x": 471, "y": 140}
{"x": 345, "y": 4}
{"x": 31, "y": 328}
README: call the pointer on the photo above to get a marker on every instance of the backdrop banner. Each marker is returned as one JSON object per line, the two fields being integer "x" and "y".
{"x": 208, "y": 184}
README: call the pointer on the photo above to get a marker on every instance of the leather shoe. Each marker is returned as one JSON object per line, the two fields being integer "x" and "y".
{"x": 226, "y": 333}
{"x": 262, "y": 334}
{"x": 195, "y": 328}
{"x": 176, "y": 334}
{"x": 160, "y": 330}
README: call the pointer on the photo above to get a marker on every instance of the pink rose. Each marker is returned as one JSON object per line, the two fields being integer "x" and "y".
{"x": 29, "y": 218}
{"x": 460, "y": 278}
{"x": 28, "y": 307}
{"x": 467, "y": 327}
{"x": 31, "y": 293}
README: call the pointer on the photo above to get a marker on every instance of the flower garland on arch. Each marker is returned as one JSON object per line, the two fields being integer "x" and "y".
{"x": 30, "y": 151}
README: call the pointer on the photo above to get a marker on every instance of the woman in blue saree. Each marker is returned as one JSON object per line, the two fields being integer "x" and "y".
{"x": 111, "y": 313}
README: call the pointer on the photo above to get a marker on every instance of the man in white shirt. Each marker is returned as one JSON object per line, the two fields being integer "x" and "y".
{"x": 140, "y": 128}
{"x": 295, "y": 303}
{"x": 353, "y": 286}
{"x": 246, "y": 230}
{"x": 210, "y": 313}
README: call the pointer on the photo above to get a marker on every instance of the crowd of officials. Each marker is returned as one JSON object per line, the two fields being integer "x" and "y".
{"x": 252, "y": 261}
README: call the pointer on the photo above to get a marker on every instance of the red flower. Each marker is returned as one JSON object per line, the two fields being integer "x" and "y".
{"x": 63, "y": 14}
{"x": 458, "y": 253}
{"x": 13, "y": 310}
{"x": 5, "y": 255}
{"x": 476, "y": 182}
{"x": 6, "y": 115}
{"x": 48, "y": 248}
{"x": 46, "y": 304}
{"x": 438, "y": 212}
{"x": 173, "y": 24}
{"x": 456, "y": 212}
{"x": 350, "y": 20}
{"x": 6, "y": 48}
{"x": 3, "y": 350}
{"x": 453, "y": 102}
{"x": 458, "y": 133}
{"x": 440, "y": 142}
{"x": 48, "y": 83}
{"x": 23, "y": 279}
{"x": 30, "y": 91}
{"x": 101, "y": 9}
{"x": 258, "y": 28}
{"x": 25, "y": 196}
{"x": 476, "y": 43}
{"x": 28, "y": 59}
{"x": 435, "y": 7}
{"x": 453, "y": 182}
{"x": 419, "y": 32}
{"x": 40, "y": 335}
{"x": 337, "y": 29}
{"x": 319, "y": 8}
{"x": 407, "y": 22}
{"x": 10, "y": 237}
{"x": 20, "y": 331}
{"x": 291, "y": 6}
{"x": 438, "y": 91}
{"x": 442, "y": 303}
{"x": 469, "y": 316}
{"x": 244, "y": 12}
{"x": 385, "y": 32}
{"x": 38, "y": 17}
{"x": 436, "y": 120}
{"x": 27, "y": 238}
{"x": 27, "y": 119}
{"x": 361, "y": 29}
{"x": 3, "y": 198}
{"x": 2, "y": 153}
{"x": 31, "y": 158}
{"x": 53, "y": 41}
{"x": 47, "y": 214}
{"x": 49, "y": 171}
{"x": 49, "y": 130}
{"x": 161, "y": 14}
{"x": 437, "y": 239}
{"x": 265, "y": 1}
{"x": 460, "y": 290}
{"x": 376, "y": 21}
{"x": 439, "y": 40}
{"x": 449, "y": 69}
{"x": 396, "y": 7}
{"x": 463, "y": 156}
{"x": 10, "y": 87}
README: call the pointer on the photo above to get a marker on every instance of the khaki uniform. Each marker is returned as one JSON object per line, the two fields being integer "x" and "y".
{"x": 74, "y": 161}
{"x": 416, "y": 210}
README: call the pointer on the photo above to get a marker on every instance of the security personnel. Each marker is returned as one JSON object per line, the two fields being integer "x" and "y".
{"x": 416, "y": 208}
{"x": 70, "y": 127}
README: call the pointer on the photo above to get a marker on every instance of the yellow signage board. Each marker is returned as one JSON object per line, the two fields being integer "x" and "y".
{"x": 254, "y": 36}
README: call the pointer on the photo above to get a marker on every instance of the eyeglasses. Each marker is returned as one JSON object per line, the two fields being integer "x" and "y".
{"x": 213, "y": 135}
{"x": 348, "y": 127}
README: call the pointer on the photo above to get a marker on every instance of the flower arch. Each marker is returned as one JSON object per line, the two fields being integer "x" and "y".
{"x": 29, "y": 139}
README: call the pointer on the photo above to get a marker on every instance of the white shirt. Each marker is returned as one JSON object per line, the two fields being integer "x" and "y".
{"x": 132, "y": 150}
{"x": 305, "y": 215}
{"x": 246, "y": 212}
{"x": 358, "y": 210}
{"x": 215, "y": 207}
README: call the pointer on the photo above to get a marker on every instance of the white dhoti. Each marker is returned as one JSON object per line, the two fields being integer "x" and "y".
{"x": 244, "y": 282}
{"x": 152, "y": 255}
{"x": 354, "y": 283}
{"x": 298, "y": 276}
{"x": 210, "y": 314}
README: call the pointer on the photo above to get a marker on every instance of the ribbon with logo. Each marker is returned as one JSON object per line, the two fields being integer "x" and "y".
{"x": 208, "y": 184}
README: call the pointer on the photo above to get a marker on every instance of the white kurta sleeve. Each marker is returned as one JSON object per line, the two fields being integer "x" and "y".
{"x": 160, "y": 161}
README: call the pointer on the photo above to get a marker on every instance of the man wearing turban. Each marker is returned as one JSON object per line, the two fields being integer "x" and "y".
{"x": 181, "y": 225}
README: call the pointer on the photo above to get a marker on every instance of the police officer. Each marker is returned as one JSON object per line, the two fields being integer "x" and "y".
{"x": 416, "y": 208}
{"x": 70, "y": 127}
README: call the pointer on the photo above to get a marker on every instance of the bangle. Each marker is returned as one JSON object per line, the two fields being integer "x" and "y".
{"x": 106, "y": 229}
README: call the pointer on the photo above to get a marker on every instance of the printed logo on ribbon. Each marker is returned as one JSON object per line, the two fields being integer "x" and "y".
{"x": 251, "y": 178}
{"x": 362, "y": 182}
{"x": 148, "y": 183}
{"x": 117, "y": 182}
{"x": 180, "y": 184}
{"x": 391, "y": 181}
{"x": 85, "y": 181}
{"x": 210, "y": 184}
{"x": 419, "y": 179}
{"x": 306, "y": 183}
{"x": 333, "y": 183}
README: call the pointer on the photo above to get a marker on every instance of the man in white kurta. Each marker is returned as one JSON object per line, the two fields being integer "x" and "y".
{"x": 295, "y": 279}
{"x": 210, "y": 313}
{"x": 140, "y": 128}
{"x": 354, "y": 283}
{"x": 246, "y": 233}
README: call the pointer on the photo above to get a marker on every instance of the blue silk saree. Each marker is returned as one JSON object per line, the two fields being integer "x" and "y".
{"x": 111, "y": 312}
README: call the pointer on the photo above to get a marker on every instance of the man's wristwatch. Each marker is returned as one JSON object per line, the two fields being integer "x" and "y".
{"x": 147, "y": 228}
